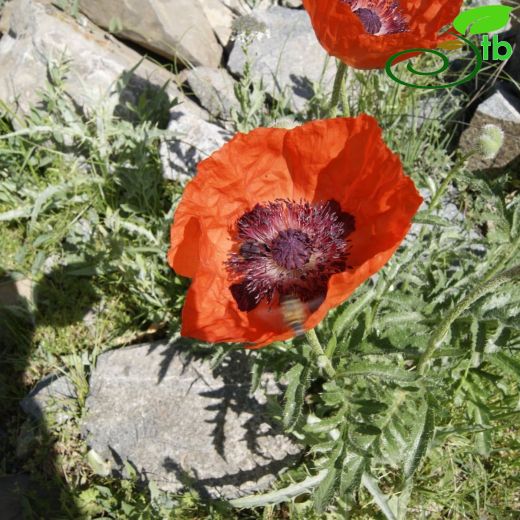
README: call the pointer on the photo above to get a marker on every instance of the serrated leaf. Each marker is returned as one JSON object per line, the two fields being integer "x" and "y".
{"x": 423, "y": 218}
{"x": 370, "y": 407}
{"x": 483, "y": 438}
{"x": 280, "y": 495}
{"x": 350, "y": 477}
{"x": 325, "y": 491}
{"x": 367, "y": 429}
{"x": 325, "y": 425}
{"x": 297, "y": 383}
{"x": 507, "y": 363}
{"x": 322, "y": 447}
{"x": 422, "y": 434}
{"x": 350, "y": 311}
{"x": 256, "y": 375}
{"x": 364, "y": 369}
{"x": 333, "y": 398}
{"x": 331, "y": 346}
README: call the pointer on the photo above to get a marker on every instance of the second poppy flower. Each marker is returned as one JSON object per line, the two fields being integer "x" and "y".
{"x": 366, "y": 33}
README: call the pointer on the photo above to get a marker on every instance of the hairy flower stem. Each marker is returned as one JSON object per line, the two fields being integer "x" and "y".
{"x": 443, "y": 328}
{"x": 317, "y": 349}
{"x": 336, "y": 89}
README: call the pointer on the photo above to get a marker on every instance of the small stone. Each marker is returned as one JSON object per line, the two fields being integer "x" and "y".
{"x": 214, "y": 89}
{"x": 164, "y": 410}
{"x": 193, "y": 140}
{"x": 287, "y": 58}
{"x": 53, "y": 394}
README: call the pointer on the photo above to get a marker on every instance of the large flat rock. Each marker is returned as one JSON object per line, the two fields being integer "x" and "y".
{"x": 164, "y": 410}
{"x": 176, "y": 29}
{"x": 286, "y": 56}
{"x": 39, "y": 35}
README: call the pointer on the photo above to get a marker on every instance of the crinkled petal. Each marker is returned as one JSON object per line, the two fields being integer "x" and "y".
{"x": 342, "y": 34}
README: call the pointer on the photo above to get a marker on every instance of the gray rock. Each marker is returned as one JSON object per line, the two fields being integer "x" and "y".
{"x": 164, "y": 410}
{"x": 176, "y": 29}
{"x": 500, "y": 106}
{"x": 13, "y": 292}
{"x": 40, "y": 34}
{"x": 214, "y": 89}
{"x": 287, "y": 57}
{"x": 220, "y": 18}
{"x": 192, "y": 140}
{"x": 53, "y": 394}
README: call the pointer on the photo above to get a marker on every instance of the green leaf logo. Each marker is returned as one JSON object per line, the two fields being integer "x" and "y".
{"x": 484, "y": 19}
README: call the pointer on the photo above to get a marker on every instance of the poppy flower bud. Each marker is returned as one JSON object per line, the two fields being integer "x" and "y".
{"x": 491, "y": 140}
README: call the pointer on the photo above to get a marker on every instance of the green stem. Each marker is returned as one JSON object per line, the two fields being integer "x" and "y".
{"x": 505, "y": 260}
{"x": 443, "y": 328}
{"x": 318, "y": 351}
{"x": 336, "y": 89}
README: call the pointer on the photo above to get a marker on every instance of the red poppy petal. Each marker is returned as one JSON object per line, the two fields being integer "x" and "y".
{"x": 341, "y": 159}
{"x": 361, "y": 50}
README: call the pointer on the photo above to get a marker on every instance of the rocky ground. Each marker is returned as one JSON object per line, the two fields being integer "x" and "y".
{"x": 197, "y": 54}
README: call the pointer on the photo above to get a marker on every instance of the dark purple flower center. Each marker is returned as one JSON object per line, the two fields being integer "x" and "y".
{"x": 379, "y": 17}
{"x": 369, "y": 19}
{"x": 290, "y": 249}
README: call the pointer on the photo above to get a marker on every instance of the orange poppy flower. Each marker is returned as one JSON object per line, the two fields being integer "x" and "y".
{"x": 277, "y": 216}
{"x": 366, "y": 33}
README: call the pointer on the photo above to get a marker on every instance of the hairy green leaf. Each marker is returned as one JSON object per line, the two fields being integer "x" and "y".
{"x": 379, "y": 370}
{"x": 297, "y": 384}
{"x": 422, "y": 433}
{"x": 506, "y": 363}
